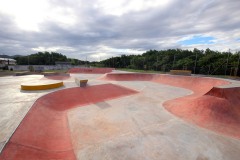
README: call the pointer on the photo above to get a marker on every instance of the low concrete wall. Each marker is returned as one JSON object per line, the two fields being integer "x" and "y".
{"x": 181, "y": 72}
{"x": 39, "y": 67}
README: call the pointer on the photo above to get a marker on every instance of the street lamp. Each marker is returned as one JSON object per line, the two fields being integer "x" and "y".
{"x": 227, "y": 62}
{"x": 195, "y": 63}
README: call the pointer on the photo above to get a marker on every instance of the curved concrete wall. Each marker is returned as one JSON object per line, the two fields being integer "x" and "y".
{"x": 214, "y": 108}
{"x": 44, "y": 132}
{"x": 198, "y": 85}
{"x": 90, "y": 70}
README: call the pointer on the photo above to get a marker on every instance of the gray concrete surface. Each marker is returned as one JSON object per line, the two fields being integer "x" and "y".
{"x": 131, "y": 127}
{"x": 15, "y": 103}
{"x": 138, "y": 127}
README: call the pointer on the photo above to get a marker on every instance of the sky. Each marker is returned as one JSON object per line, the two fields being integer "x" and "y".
{"x": 99, "y": 29}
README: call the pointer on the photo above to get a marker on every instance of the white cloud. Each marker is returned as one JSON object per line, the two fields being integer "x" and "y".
{"x": 29, "y": 14}
{"x": 53, "y": 49}
{"x": 107, "y": 28}
{"x": 121, "y": 7}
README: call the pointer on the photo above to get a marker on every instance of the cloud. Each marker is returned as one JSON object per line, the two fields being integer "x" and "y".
{"x": 101, "y": 28}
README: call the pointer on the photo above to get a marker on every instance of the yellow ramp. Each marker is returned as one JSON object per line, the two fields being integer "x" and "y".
{"x": 41, "y": 85}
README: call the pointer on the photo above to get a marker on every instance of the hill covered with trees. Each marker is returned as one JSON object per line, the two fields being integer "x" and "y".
{"x": 46, "y": 58}
{"x": 199, "y": 61}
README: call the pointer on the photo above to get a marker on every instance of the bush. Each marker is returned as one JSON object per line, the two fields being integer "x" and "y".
{"x": 5, "y": 68}
{"x": 31, "y": 68}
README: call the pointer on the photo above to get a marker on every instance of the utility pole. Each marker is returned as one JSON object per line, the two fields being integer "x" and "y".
{"x": 209, "y": 67}
{"x": 173, "y": 61}
{"x": 238, "y": 62}
{"x": 227, "y": 62}
{"x": 112, "y": 62}
{"x": 52, "y": 59}
{"x": 195, "y": 63}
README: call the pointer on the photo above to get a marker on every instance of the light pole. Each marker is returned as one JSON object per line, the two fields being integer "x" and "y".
{"x": 227, "y": 62}
{"x": 195, "y": 63}
{"x": 238, "y": 62}
{"x": 173, "y": 61}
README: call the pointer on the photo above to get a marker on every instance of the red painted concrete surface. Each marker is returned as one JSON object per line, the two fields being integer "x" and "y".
{"x": 217, "y": 109}
{"x": 90, "y": 70}
{"x": 44, "y": 132}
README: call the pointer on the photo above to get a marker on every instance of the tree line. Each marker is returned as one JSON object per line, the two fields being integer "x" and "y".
{"x": 46, "y": 58}
{"x": 198, "y": 61}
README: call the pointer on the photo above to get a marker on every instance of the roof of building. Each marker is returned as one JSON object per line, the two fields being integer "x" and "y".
{"x": 7, "y": 59}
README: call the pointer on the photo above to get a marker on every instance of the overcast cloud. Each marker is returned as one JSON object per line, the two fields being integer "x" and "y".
{"x": 98, "y": 29}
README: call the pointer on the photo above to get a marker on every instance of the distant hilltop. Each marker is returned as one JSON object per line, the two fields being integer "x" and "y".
{"x": 7, "y": 56}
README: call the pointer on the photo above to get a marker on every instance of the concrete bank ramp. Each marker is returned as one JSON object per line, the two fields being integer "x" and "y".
{"x": 44, "y": 132}
{"x": 90, "y": 70}
{"x": 217, "y": 110}
{"x": 41, "y": 85}
{"x": 210, "y": 106}
{"x": 56, "y": 76}
{"x": 198, "y": 85}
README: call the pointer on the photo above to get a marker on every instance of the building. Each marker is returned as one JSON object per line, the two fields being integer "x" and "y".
{"x": 7, "y": 61}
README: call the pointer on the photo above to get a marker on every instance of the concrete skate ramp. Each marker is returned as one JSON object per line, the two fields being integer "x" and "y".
{"x": 128, "y": 77}
{"x": 198, "y": 85}
{"x": 41, "y": 85}
{"x": 90, "y": 70}
{"x": 217, "y": 109}
{"x": 56, "y": 76}
{"x": 44, "y": 132}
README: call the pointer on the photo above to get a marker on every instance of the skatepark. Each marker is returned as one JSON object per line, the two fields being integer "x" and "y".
{"x": 119, "y": 115}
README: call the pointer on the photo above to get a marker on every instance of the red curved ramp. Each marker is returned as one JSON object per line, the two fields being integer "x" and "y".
{"x": 44, "y": 132}
{"x": 217, "y": 109}
{"x": 198, "y": 85}
{"x": 90, "y": 70}
{"x": 128, "y": 77}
